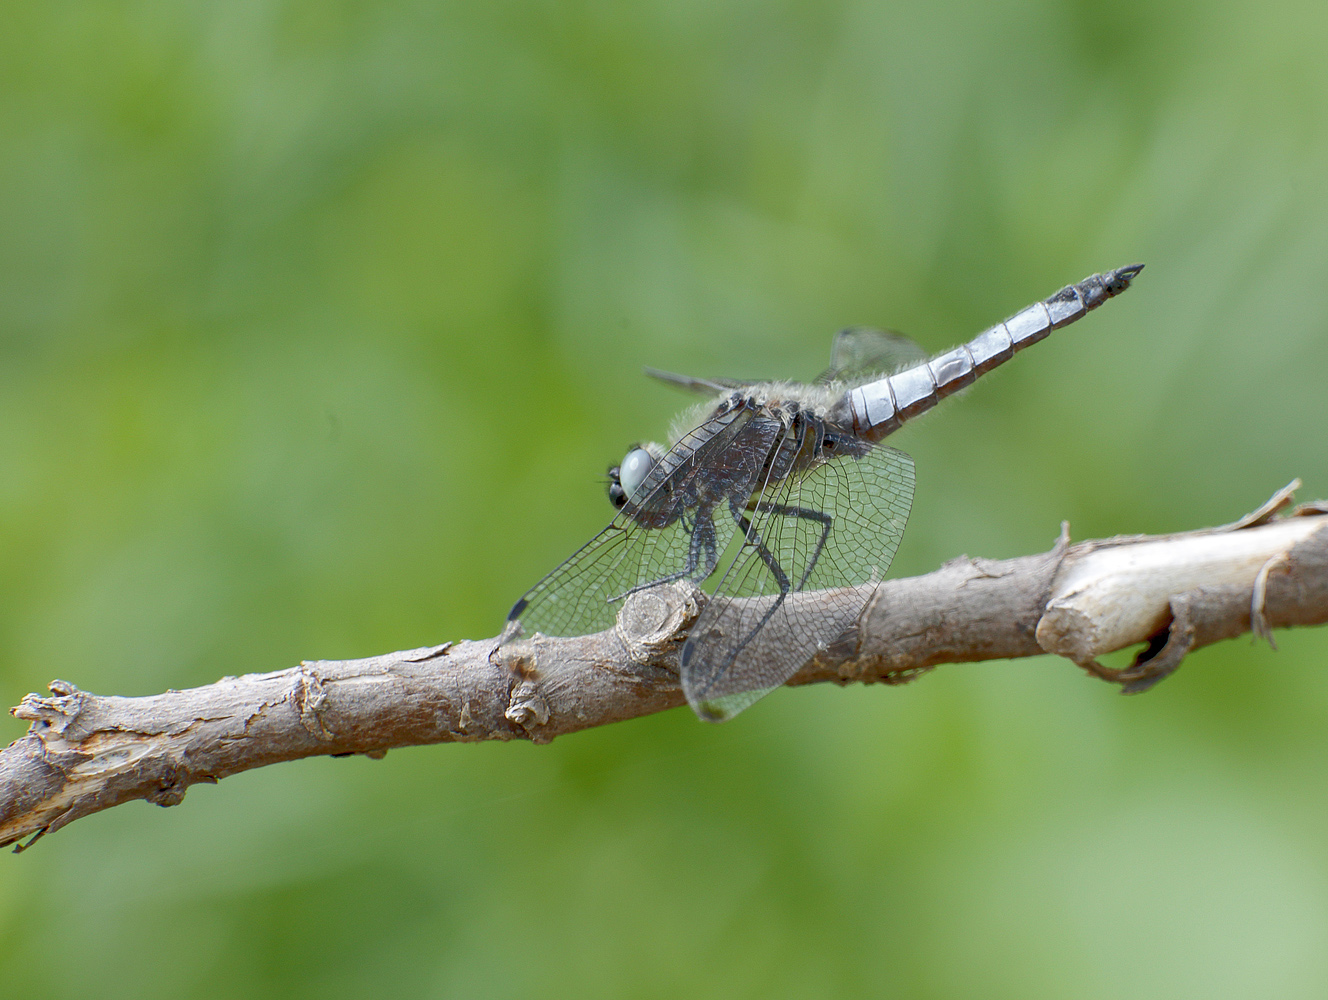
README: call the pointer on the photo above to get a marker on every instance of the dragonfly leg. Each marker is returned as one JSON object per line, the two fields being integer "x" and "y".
{"x": 702, "y": 543}
{"x": 811, "y": 514}
{"x": 781, "y": 578}
{"x": 753, "y": 538}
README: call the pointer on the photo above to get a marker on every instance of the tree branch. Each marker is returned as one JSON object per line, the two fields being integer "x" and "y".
{"x": 84, "y": 752}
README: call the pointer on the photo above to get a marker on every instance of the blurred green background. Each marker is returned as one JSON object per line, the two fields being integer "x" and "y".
{"x": 320, "y": 321}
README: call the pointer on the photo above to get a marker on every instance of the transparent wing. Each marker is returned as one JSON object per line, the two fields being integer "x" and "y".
{"x": 704, "y": 386}
{"x": 860, "y": 353}
{"x": 655, "y": 539}
{"x": 584, "y": 593}
{"x": 836, "y": 526}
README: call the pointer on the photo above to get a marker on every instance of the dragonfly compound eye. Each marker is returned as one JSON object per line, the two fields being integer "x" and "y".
{"x": 633, "y": 471}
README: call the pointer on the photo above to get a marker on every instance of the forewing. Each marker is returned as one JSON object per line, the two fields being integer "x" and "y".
{"x": 584, "y": 593}
{"x": 749, "y": 640}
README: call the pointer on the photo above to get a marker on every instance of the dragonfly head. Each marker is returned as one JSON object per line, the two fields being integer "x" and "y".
{"x": 625, "y": 477}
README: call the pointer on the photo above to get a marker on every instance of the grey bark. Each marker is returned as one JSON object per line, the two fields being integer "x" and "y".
{"x": 85, "y": 752}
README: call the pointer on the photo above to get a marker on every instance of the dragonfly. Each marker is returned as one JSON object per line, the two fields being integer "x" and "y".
{"x": 770, "y": 489}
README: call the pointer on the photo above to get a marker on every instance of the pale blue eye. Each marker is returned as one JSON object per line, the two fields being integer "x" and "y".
{"x": 634, "y": 469}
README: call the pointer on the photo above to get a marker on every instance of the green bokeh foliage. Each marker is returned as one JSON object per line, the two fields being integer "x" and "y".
{"x": 319, "y": 322}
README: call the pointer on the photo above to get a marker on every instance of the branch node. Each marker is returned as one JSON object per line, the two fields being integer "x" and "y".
{"x": 653, "y": 620}
{"x": 170, "y": 792}
{"x": 309, "y": 698}
{"x": 58, "y": 713}
{"x": 528, "y": 709}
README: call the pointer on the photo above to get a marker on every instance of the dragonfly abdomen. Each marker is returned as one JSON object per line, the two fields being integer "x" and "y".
{"x": 878, "y": 408}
